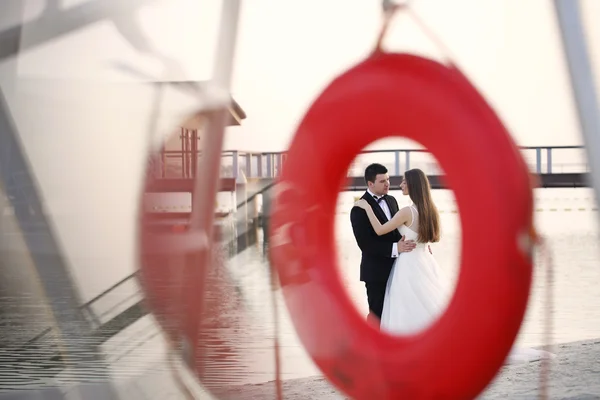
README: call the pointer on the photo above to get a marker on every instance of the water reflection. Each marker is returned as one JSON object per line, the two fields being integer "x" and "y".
{"x": 239, "y": 340}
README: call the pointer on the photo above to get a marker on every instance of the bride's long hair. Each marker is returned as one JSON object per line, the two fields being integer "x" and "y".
{"x": 419, "y": 192}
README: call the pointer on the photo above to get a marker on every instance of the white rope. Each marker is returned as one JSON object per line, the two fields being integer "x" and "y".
{"x": 548, "y": 310}
{"x": 390, "y": 9}
{"x": 276, "y": 346}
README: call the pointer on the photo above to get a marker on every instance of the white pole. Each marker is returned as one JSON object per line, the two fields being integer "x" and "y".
{"x": 207, "y": 176}
{"x": 227, "y": 38}
{"x": 582, "y": 82}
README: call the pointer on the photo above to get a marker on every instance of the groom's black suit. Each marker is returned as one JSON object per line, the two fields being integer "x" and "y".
{"x": 377, "y": 261}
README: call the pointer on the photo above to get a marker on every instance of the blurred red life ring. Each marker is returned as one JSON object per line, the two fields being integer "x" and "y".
{"x": 182, "y": 290}
{"x": 435, "y": 105}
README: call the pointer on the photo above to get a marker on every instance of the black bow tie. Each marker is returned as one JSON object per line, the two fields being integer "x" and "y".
{"x": 378, "y": 199}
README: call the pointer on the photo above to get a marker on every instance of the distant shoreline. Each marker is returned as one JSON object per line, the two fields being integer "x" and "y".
{"x": 574, "y": 374}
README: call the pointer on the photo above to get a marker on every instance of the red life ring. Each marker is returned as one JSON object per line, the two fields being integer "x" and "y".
{"x": 435, "y": 105}
{"x": 188, "y": 300}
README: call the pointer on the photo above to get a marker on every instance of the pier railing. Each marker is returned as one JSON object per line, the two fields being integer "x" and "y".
{"x": 540, "y": 159}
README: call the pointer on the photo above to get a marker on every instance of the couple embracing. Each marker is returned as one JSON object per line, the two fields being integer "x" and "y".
{"x": 406, "y": 289}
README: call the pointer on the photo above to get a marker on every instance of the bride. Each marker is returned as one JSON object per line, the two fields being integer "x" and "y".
{"x": 417, "y": 291}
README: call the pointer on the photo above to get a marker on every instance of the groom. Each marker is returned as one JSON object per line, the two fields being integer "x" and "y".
{"x": 378, "y": 252}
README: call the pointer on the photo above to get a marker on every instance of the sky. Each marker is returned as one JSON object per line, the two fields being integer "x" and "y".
{"x": 287, "y": 52}
{"x": 510, "y": 50}
{"x": 84, "y": 123}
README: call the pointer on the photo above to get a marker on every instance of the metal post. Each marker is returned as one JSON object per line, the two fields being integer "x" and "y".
{"x": 407, "y": 163}
{"x": 186, "y": 153}
{"x": 249, "y": 165}
{"x": 259, "y": 162}
{"x": 582, "y": 81}
{"x": 269, "y": 165}
{"x": 194, "y": 151}
{"x": 549, "y": 160}
{"x": 182, "y": 139}
{"x": 283, "y": 160}
{"x": 538, "y": 161}
{"x": 397, "y": 163}
{"x": 163, "y": 160}
{"x": 278, "y": 162}
{"x": 235, "y": 164}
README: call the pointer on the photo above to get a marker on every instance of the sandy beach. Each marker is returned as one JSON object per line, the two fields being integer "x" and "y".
{"x": 575, "y": 374}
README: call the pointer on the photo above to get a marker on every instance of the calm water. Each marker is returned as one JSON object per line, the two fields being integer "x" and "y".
{"x": 567, "y": 217}
{"x": 245, "y": 355}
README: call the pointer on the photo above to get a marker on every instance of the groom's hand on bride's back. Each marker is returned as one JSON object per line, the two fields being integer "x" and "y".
{"x": 405, "y": 246}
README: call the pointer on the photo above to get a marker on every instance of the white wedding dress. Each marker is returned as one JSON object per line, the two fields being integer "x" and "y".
{"x": 417, "y": 293}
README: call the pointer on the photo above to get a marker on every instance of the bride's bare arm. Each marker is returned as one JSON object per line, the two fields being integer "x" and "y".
{"x": 397, "y": 220}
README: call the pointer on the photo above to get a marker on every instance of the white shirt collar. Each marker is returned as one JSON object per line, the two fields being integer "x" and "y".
{"x": 372, "y": 194}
